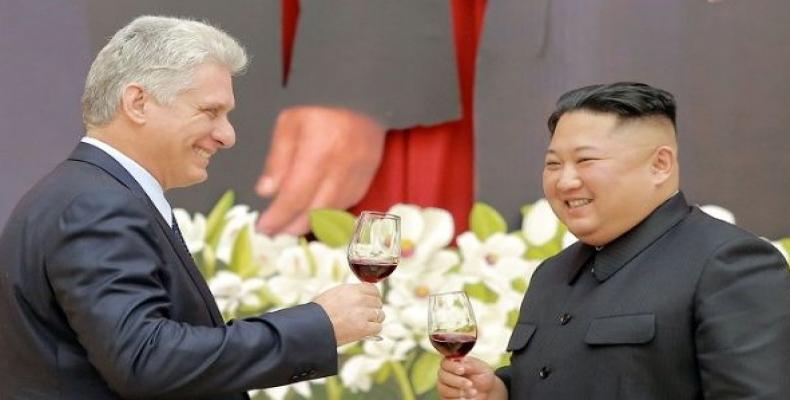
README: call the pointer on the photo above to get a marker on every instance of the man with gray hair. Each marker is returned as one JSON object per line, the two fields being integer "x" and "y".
{"x": 99, "y": 296}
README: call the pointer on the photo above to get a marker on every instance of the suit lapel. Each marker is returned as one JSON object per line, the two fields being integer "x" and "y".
{"x": 92, "y": 155}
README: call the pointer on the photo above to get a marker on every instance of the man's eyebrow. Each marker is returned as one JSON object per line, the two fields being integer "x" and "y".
{"x": 575, "y": 149}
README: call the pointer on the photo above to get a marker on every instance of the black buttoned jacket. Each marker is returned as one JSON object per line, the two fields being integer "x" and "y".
{"x": 683, "y": 306}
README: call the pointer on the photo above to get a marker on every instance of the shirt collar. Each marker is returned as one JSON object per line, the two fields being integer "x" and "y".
{"x": 616, "y": 254}
{"x": 144, "y": 178}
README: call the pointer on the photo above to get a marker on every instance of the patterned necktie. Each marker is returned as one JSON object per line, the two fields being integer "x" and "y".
{"x": 179, "y": 236}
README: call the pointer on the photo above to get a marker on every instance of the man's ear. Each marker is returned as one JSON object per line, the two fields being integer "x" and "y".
{"x": 663, "y": 164}
{"x": 133, "y": 102}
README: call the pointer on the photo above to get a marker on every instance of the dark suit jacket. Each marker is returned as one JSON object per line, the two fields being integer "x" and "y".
{"x": 99, "y": 301}
{"x": 683, "y": 306}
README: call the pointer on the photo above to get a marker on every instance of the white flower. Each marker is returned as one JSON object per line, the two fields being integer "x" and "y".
{"x": 238, "y": 218}
{"x": 408, "y": 293}
{"x": 423, "y": 232}
{"x": 231, "y": 292}
{"x": 540, "y": 223}
{"x": 357, "y": 373}
{"x": 496, "y": 262}
{"x": 719, "y": 212}
{"x": 304, "y": 272}
{"x": 266, "y": 250}
{"x": 193, "y": 230}
{"x": 492, "y": 330}
{"x": 281, "y": 392}
{"x": 568, "y": 239}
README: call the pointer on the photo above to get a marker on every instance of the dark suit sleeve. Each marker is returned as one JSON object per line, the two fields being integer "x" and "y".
{"x": 504, "y": 374}
{"x": 393, "y": 61}
{"x": 742, "y": 315}
{"x": 105, "y": 275}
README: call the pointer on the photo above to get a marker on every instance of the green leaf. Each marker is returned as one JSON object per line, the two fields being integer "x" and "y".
{"x": 242, "y": 260}
{"x": 512, "y": 318}
{"x": 423, "y": 373}
{"x": 334, "y": 390}
{"x": 543, "y": 252}
{"x": 481, "y": 292}
{"x": 485, "y": 221}
{"x": 332, "y": 227}
{"x": 312, "y": 264}
{"x": 383, "y": 373}
{"x": 519, "y": 285}
{"x": 209, "y": 265}
{"x": 785, "y": 242}
{"x": 216, "y": 218}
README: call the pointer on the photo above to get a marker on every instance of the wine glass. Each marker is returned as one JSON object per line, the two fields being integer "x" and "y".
{"x": 374, "y": 250}
{"x": 451, "y": 324}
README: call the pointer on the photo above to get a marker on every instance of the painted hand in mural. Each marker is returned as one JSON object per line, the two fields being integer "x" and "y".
{"x": 320, "y": 157}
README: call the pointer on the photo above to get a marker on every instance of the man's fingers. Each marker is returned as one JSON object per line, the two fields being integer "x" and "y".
{"x": 300, "y": 225}
{"x": 451, "y": 386}
{"x": 338, "y": 189}
{"x": 377, "y": 315}
{"x": 369, "y": 289}
{"x": 295, "y": 194}
{"x": 278, "y": 161}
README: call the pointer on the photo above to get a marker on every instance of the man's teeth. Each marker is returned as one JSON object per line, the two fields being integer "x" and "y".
{"x": 203, "y": 153}
{"x": 579, "y": 203}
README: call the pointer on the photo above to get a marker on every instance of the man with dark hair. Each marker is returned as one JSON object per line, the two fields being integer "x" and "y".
{"x": 657, "y": 300}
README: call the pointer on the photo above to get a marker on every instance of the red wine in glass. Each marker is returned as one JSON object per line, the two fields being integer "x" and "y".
{"x": 452, "y": 329}
{"x": 453, "y": 345}
{"x": 371, "y": 271}
{"x": 374, "y": 250}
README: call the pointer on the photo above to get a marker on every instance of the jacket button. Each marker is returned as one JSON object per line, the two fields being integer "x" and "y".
{"x": 565, "y": 318}
{"x": 544, "y": 372}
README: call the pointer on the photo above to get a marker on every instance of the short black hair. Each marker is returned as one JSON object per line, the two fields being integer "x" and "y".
{"x": 629, "y": 100}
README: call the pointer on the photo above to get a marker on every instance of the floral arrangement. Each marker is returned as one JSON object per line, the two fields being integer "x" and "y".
{"x": 250, "y": 273}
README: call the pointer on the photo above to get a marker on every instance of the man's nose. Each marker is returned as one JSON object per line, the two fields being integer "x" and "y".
{"x": 225, "y": 134}
{"x": 568, "y": 179}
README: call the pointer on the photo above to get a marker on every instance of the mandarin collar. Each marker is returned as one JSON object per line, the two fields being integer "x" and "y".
{"x": 615, "y": 255}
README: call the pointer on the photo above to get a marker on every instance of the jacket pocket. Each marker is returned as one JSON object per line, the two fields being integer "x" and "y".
{"x": 621, "y": 329}
{"x": 520, "y": 337}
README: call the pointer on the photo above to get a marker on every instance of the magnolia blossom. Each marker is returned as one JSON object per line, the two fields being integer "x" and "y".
{"x": 719, "y": 212}
{"x": 423, "y": 232}
{"x": 408, "y": 293}
{"x": 495, "y": 262}
{"x": 540, "y": 224}
{"x": 493, "y": 332}
{"x": 232, "y": 292}
{"x": 266, "y": 250}
{"x": 568, "y": 239}
{"x": 305, "y": 271}
{"x": 281, "y": 392}
{"x": 192, "y": 229}
{"x": 357, "y": 372}
{"x": 238, "y": 218}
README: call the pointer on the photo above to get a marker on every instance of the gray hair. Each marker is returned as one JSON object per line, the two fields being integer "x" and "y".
{"x": 159, "y": 53}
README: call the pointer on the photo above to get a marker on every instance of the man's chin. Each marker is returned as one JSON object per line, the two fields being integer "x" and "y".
{"x": 191, "y": 182}
{"x": 584, "y": 233}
